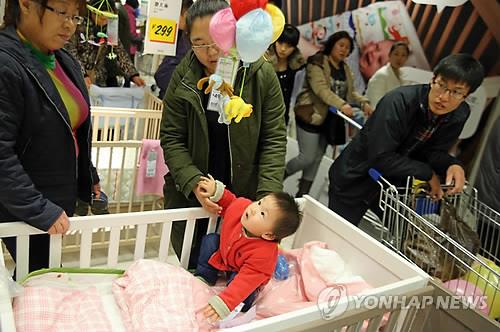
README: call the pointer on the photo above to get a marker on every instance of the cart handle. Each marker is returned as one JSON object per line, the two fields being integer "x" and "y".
{"x": 374, "y": 174}
{"x": 334, "y": 110}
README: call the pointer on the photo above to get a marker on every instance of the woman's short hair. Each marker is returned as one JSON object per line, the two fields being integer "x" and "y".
{"x": 400, "y": 44}
{"x": 202, "y": 8}
{"x": 13, "y": 11}
{"x": 290, "y": 35}
{"x": 333, "y": 39}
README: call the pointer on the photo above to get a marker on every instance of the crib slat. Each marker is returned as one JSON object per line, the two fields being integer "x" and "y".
{"x": 140, "y": 241}
{"x": 212, "y": 225}
{"x": 374, "y": 323}
{"x": 186, "y": 244}
{"x": 86, "y": 248}
{"x": 393, "y": 319}
{"x": 114, "y": 246}
{"x": 55, "y": 251}
{"x": 22, "y": 256}
{"x": 134, "y": 179}
{"x": 116, "y": 130}
{"x": 105, "y": 130}
{"x": 119, "y": 177}
{"x": 410, "y": 316}
{"x": 355, "y": 327}
{"x": 165, "y": 241}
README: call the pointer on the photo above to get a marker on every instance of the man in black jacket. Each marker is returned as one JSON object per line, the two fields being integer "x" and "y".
{"x": 409, "y": 134}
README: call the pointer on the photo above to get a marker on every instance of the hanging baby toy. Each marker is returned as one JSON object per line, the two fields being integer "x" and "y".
{"x": 102, "y": 9}
{"x": 251, "y": 26}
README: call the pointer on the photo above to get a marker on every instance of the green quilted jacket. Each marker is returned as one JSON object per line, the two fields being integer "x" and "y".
{"x": 257, "y": 143}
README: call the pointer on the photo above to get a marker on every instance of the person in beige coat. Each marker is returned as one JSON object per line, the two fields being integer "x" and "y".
{"x": 389, "y": 76}
{"x": 329, "y": 82}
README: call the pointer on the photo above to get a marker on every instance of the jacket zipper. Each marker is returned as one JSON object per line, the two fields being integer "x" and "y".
{"x": 26, "y": 147}
{"x": 228, "y": 135}
{"x": 230, "y": 153}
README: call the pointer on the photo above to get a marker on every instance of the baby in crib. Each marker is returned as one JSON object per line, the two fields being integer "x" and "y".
{"x": 247, "y": 248}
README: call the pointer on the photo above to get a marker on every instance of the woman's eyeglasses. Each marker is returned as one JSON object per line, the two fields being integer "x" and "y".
{"x": 75, "y": 19}
{"x": 204, "y": 47}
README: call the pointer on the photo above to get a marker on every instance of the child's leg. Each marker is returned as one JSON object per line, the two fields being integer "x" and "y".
{"x": 209, "y": 245}
{"x": 250, "y": 299}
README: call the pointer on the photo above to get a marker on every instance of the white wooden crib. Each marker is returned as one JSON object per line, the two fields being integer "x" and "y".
{"x": 387, "y": 272}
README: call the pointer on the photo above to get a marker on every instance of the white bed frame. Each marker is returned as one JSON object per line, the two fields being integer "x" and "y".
{"x": 387, "y": 272}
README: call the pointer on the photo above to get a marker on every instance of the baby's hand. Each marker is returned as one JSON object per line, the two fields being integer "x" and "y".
{"x": 210, "y": 314}
{"x": 207, "y": 185}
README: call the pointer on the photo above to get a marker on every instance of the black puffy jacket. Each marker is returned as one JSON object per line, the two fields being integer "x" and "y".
{"x": 388, "y": 143}
{"x": 40, "y": 175}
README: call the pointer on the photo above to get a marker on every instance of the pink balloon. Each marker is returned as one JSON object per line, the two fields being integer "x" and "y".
{"x": 222, "y": 28}
{"x": 464, "y": 288}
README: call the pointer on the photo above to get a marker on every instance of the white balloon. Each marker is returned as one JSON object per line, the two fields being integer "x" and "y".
{"x": 254, "y": 34}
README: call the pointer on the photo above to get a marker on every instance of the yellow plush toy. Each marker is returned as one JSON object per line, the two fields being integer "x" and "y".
{"x": 234, "y": 107}
{"x": 237, "y": 109}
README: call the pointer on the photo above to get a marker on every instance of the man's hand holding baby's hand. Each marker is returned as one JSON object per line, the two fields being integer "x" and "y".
{"x": 210, "y": 314}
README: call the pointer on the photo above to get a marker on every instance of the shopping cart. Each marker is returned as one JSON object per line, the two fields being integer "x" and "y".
{"x": 411, "y": 225}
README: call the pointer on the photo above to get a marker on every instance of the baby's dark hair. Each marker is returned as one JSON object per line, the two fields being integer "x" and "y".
{"x": 289, "y": 217}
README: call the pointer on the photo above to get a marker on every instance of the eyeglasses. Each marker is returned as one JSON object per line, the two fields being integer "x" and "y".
{"x": 205, "y": 47}
{"x": 75, "y": 19}
{"x": 441, "y": 88}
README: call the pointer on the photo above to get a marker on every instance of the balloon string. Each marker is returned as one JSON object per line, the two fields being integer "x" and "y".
{"x": 243, "y": 82}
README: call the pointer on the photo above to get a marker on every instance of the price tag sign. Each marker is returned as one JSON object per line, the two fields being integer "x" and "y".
{"x": 162, "y": 30}
{"x": 162, "y": 27}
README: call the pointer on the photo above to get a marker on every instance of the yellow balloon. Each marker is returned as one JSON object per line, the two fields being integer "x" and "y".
{"x": 491, "y": 288}
{"x": 278, "y": 20}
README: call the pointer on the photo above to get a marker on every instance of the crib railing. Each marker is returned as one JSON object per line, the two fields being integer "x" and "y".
{"x": 121, "y": 124}
{"x": 152, "y": 102}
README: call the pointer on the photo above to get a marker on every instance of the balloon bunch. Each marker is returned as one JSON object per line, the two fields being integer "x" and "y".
{"x": 244, "y": 30}
{"x": 247, "y": 28}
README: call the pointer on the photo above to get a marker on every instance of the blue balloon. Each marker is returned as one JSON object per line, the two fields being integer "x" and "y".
{"x": 254, "y": 34}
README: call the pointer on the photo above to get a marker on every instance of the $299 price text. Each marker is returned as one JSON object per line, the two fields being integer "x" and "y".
{"x": 162, "y": 30}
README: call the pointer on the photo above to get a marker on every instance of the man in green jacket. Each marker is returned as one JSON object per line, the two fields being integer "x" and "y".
{"x": 248, "y": 156}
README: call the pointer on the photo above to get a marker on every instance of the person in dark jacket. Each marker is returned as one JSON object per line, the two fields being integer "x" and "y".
{"x": 168, "y": 64}
{"x": 45, "y": 128}
{"x": 409, "y": 135}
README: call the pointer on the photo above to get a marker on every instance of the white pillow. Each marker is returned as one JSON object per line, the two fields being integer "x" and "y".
{"x": 330, "y": 266}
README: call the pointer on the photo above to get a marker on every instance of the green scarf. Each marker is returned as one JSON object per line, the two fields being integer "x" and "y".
{"x": 47, "y": 60}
